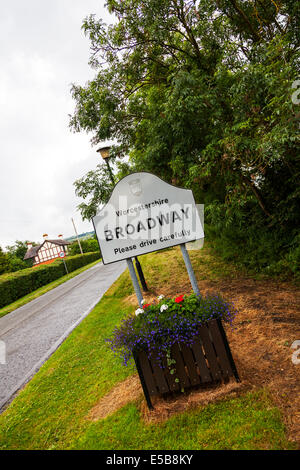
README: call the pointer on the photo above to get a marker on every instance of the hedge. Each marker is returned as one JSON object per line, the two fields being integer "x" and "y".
{"x": 15, "y": 285}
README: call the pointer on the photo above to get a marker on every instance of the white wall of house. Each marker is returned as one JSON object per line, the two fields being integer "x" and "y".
{"x": 48, "y": 251}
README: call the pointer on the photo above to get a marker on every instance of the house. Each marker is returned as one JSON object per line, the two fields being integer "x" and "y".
{"x": 48, "y": 251}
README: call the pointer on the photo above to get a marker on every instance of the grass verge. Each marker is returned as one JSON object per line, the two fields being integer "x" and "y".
{"x": 52, "y": 411}
{"x": 42, "y": 290}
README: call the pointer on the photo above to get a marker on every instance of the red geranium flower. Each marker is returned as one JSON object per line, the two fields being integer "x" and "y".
{"x": 146, "y": 305}
{"x": 179, "y": 299}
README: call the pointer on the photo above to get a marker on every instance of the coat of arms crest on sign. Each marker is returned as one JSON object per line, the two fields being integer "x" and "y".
{"x": 136, "y": 187}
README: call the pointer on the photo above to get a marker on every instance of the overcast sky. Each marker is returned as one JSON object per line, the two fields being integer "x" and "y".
{"x": 42, "y": 51}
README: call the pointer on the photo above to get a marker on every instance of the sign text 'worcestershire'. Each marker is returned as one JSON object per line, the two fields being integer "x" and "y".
{"x": 145, "y": 214}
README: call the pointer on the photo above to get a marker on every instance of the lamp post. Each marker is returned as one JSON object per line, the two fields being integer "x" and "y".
{"x": 104, "y": 151}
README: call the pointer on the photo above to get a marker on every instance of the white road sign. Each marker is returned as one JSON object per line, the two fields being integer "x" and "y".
{"x": 145, "y": 214}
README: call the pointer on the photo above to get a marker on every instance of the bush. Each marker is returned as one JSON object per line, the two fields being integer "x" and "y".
{"x": 261, "y": 250}
{"x": 87, "y": 246}
{"x": 4, "y": 263}
{"x": 16, "y": 264}
{"x": 158, "y": 326}
{"x": 13, "y": 286}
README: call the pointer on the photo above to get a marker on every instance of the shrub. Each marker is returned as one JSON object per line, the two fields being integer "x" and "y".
{"x": 265, "y": 251}
{"x": 158, "y": 326}
{"x": 4, "y": 262}
{"x": 15, "y": 285}
{"x": 87, "y": 246}
{"x": 16, "y": 264}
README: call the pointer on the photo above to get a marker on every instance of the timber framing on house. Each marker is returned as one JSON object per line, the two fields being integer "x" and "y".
{"x": 47, "y": 251}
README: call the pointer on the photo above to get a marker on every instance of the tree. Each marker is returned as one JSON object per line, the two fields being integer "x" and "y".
{"x": 19, "y": 249}
{"x": 88, "y": 246}
{"x": 199, "y": 93}
{"x": 16, "y": 255}
{"x": 4, "y": 262}
{"x": 95, "y": 187}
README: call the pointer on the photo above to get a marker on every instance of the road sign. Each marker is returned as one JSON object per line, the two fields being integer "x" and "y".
{"x": 145, "y": 214}
{"x": 62, "y": 254}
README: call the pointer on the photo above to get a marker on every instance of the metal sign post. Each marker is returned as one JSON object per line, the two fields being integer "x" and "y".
{"x": 141, "y": 274}
{"x": 105, "y": 154}
{"x": 189, "y": 269}
{"x": 62, "y": 255}
{"x": 135, "y": 281}
{"x": 145, "y": 214}
{"x": 188, "y": 266}
{"x": 65, "y": 267}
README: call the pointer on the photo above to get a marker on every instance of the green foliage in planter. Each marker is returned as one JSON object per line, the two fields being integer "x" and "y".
{"x": 165, "y": 322}
{"x": 15, "y": 285}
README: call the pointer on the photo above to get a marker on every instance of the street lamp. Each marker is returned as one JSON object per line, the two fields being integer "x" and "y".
{"x": 105, "y": 154}
{"x": 104, "y": 151}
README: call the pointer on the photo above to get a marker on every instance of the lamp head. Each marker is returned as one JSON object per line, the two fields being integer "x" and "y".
{"x": 104, "y": 151}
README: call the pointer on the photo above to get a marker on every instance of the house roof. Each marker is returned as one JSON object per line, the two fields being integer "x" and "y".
{"x": 59, "y": 241}
{"x": 32, "y": 252}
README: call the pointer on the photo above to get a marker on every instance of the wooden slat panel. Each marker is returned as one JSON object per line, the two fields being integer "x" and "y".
{"x": 147, "y": 373}
{"x": 180, "y": 369}
{"x": 208, "y": 359}
{"x": 229, "y": 354}
{"x": 174, "y": 386}
{"x": 210, "y": 353}
{"x": 220, "y": 348}
{"x": 204, "y": 371}
{"x": 190, "y": 363}
{"x": 159, "y": 377}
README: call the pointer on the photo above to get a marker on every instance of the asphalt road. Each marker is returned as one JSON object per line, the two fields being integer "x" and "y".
{"x": 33, "y": 332}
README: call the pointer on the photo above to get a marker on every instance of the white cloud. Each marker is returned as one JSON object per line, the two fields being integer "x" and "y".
{"x": 44, "y": 51}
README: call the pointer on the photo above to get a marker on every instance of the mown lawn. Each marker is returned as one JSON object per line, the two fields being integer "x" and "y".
{"x": 51, "y": 411}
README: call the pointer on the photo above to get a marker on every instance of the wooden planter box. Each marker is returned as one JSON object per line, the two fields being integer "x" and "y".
{"x": 208, "y": 360}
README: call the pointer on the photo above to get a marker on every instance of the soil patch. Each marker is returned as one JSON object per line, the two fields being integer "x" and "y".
{"x": 123, "y": 393}
{"x": 267, "y": 324}
{"x": 164, "y": 408}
